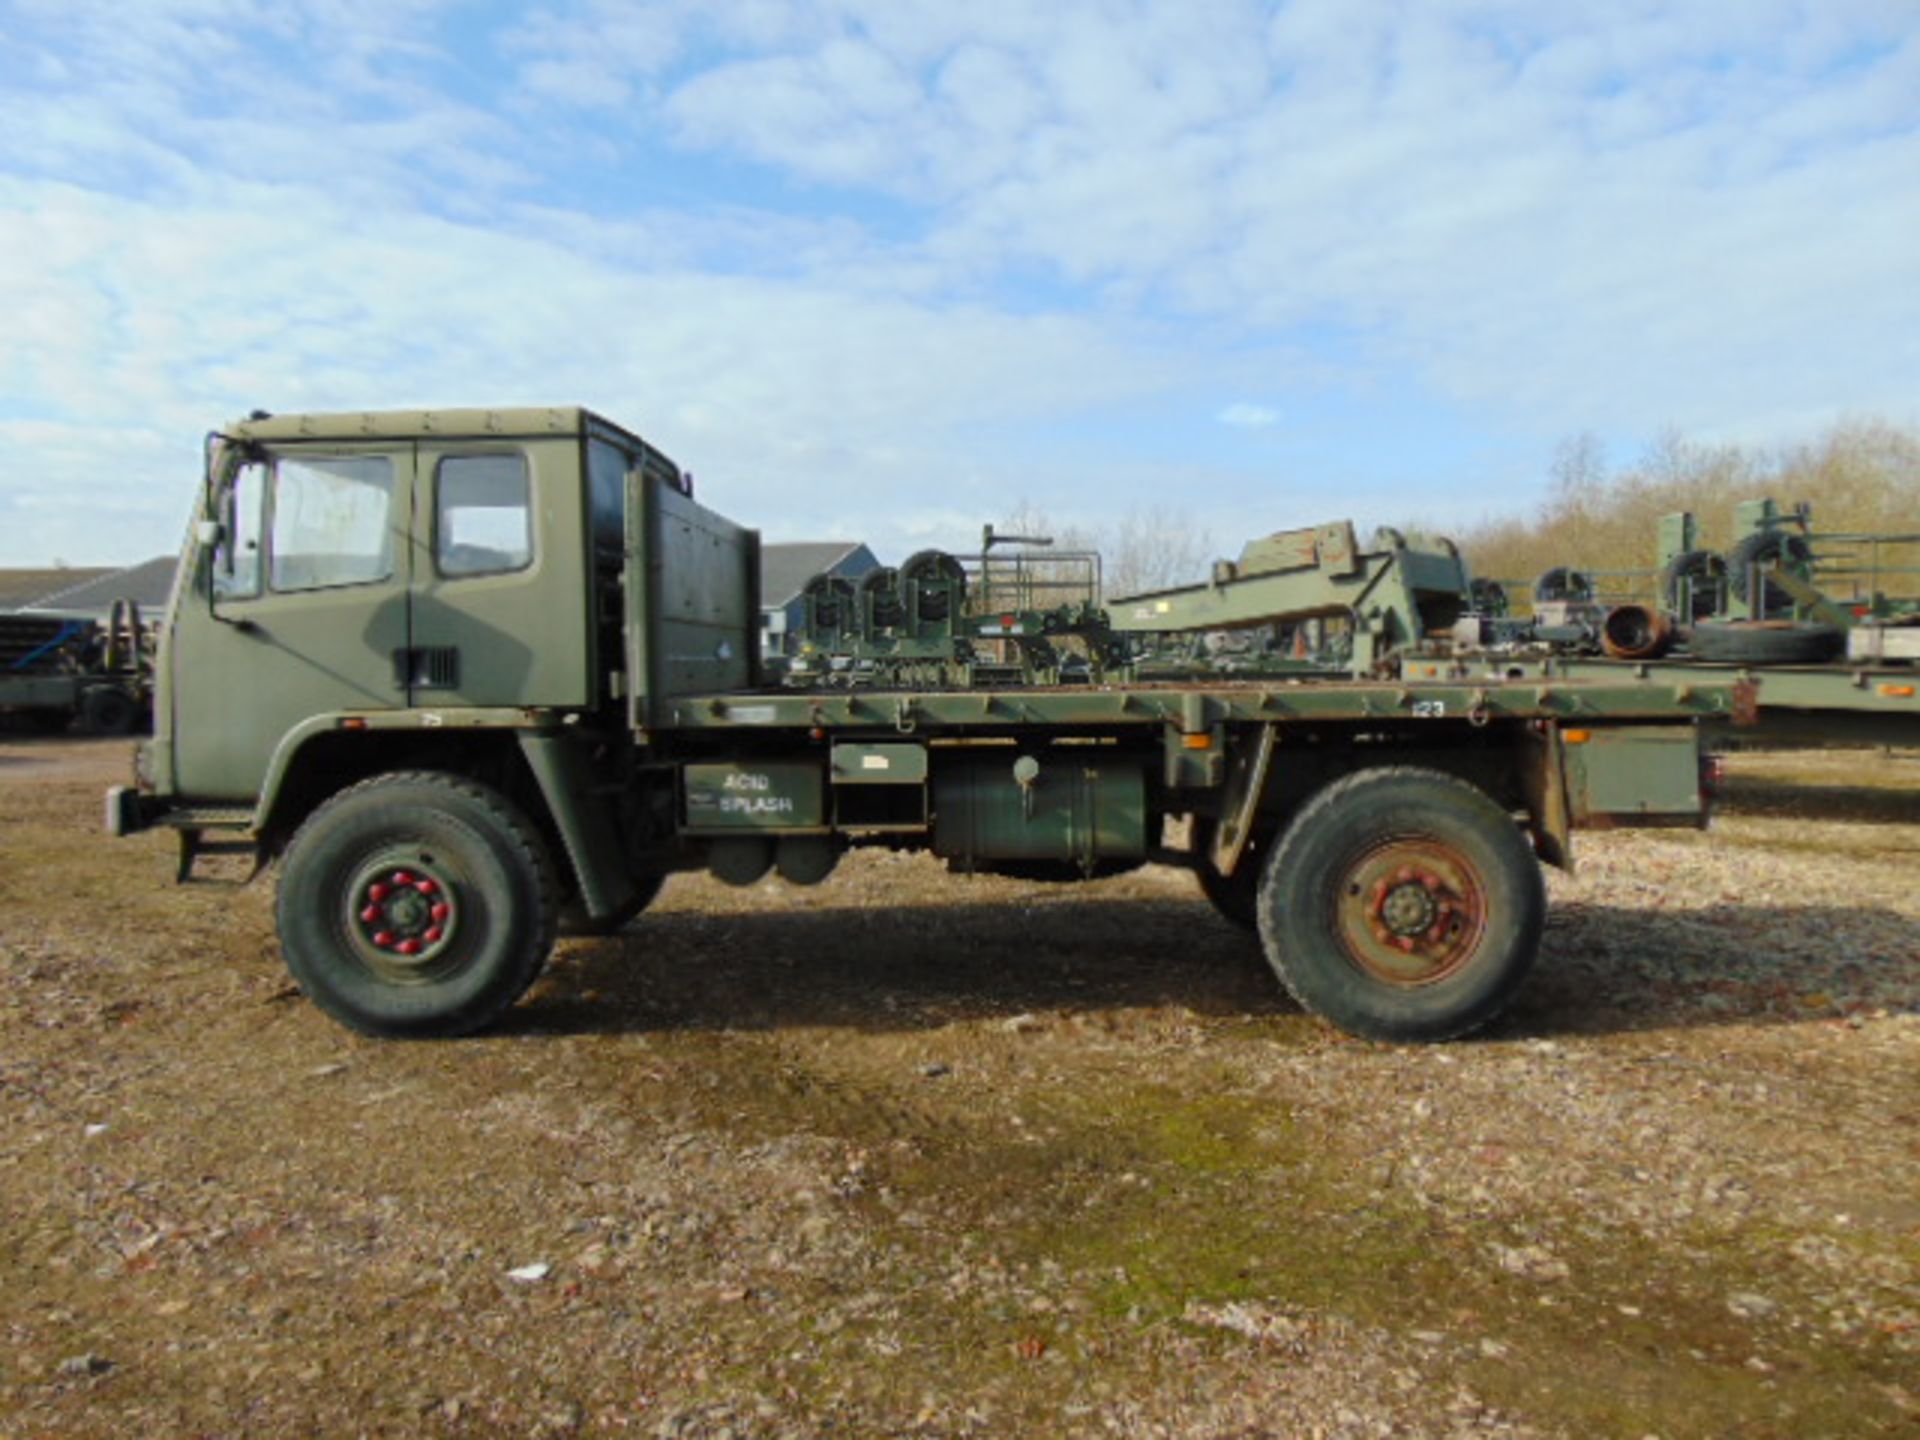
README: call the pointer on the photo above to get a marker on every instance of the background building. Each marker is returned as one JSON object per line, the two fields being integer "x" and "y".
{"x": 92, "y": 592}
{"x": 784, "y": 573}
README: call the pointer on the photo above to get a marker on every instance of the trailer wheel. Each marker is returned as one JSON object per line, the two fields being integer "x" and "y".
{"x": 108, "y": 710}
{"x": 1402, "y": 904}
{"x": 1766, "y": 642}
{"x": 1708, "y": 573}
{"x": 1781, "y": 547}
{"x": 1563, "y": 582}
{"x": 1487, "y": 597}
{"x": 416, "y": 904}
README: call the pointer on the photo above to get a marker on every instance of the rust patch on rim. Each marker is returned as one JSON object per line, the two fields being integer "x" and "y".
{"x": 1410, "y": 911}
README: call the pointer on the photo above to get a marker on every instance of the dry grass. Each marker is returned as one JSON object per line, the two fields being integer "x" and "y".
{"x": 914, "y": 1155}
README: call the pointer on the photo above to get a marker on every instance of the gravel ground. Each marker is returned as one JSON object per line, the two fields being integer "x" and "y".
{"x": 911, "y": 1155}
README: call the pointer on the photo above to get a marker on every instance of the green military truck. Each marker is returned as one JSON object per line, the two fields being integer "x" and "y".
{"x": 473, "y": 676}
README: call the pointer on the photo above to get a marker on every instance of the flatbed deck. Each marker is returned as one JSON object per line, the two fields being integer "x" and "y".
{"x": 1194, "y": 705}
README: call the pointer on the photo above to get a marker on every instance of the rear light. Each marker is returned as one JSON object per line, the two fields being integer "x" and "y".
{"x": 1713, "y": 774}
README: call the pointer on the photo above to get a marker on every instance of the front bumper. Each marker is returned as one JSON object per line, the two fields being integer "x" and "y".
{"x": 129, "y": 812}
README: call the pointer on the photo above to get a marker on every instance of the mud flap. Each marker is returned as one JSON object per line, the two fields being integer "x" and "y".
{"x": 1543, "y": 781}
{"x": 1247, "y": 766}
{"x": 584, "y": 820}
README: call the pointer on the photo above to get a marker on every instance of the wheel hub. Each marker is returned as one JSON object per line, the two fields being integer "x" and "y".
{"x": 1408, "y": 908}
{"x": 1412, "y": 911}
{"x": 402, "y": 913}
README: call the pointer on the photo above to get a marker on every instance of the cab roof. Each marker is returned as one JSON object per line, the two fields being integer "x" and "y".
{"x": 521, "y": 421}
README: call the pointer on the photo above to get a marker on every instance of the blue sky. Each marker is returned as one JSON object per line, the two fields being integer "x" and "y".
{"x": 889, "y": 268}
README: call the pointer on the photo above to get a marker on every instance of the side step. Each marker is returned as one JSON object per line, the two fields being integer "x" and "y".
{"x": 231, "y": 827}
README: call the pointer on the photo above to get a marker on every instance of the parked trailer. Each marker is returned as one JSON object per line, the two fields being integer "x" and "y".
{"x": 1789, "y": 706}
{"x": 472, "y": 675}
{"x": 1798, "y": 621}
{"x": 57, "y": 668}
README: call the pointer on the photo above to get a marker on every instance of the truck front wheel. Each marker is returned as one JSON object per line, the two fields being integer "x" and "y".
{"x": 416, "y": 904}
{"x": 1402, "y": 904}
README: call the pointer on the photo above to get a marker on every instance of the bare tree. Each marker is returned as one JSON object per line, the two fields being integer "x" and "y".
{"x": 1143, "y": 550}
{"x": 1154, "y": 550}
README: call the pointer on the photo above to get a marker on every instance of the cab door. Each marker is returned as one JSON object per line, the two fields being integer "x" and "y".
{"x": 299, "y": 609}
{"x": 501, "y": 605}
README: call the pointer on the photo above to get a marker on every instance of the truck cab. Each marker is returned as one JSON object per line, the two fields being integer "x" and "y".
{"x": 384, "y": 566}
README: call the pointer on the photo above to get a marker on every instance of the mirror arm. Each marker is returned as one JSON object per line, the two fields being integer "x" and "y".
{"x": 211, "y": 531}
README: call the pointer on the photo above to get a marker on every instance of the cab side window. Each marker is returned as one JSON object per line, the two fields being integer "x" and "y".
{"x": 236, "y": 562}
{"x": 607, "y": 468}
{"x": 332, "y": 522}
{"x": 483, "y": 515}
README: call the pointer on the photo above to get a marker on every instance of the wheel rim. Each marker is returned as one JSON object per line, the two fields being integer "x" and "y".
{"x": 401, "y": 914}
{"x": 1411, "y": 910}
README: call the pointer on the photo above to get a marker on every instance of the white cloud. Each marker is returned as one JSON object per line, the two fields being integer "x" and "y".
{"x": 785, "y": 397}
{"x": 1244, "y": 416}
{"x": 1577, "y": 220}
{"x": 946, "y": 248}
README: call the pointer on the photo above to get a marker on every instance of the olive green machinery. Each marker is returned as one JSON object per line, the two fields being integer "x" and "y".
{"x": 1800, "y": 620}
{"x": 472, "y": 676}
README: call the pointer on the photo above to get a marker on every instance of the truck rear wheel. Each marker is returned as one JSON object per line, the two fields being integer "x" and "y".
{"x": 1235, "y": 896}
{"x": 1402, "y": 904}
{"x": 416, "y": 904}
{"x": 574, "y": 919}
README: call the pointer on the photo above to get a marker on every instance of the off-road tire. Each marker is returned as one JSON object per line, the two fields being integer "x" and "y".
{"x": 1375, "y": 839}
{"x": 1789, "y": 550}
{"x": 457, "y": 843}
{"x": 1766, "y": 642}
